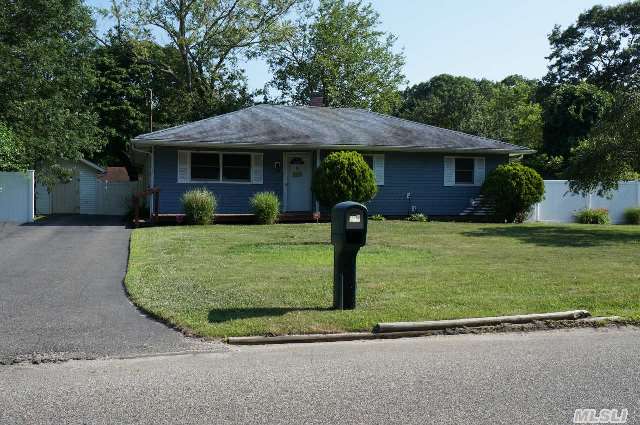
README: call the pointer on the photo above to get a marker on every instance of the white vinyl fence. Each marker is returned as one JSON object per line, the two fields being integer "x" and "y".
{"x": 94, "y": 197}
{"x": 16, "y": 196}
{"x": 560, "y": 205}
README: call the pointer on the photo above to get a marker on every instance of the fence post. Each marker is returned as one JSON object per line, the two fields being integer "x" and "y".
{"x": 31, "y": 195}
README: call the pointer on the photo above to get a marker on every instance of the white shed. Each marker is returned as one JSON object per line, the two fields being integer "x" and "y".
{"x": 85, "y": 193}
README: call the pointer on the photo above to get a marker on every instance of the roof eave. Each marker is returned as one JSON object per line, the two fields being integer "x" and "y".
{"x": 287, "y": 146}
{"x": 92, "y": 165}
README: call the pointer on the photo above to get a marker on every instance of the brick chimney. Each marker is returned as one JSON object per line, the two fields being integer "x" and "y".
{"x": 316, "y": 99}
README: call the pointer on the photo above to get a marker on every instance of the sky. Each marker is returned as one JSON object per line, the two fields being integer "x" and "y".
{"x": 479, "y": 39}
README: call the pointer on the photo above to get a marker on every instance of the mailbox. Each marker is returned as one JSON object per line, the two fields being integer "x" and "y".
{"x": 348, "y": 234}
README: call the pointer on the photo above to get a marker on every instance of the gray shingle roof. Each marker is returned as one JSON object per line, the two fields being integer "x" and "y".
{"x": 315, "y": 127}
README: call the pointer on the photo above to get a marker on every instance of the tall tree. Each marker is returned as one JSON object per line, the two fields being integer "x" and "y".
{"x": 46, "y": 76}
{"x": 611, "y": 152}
{"x": 208, "y": 37}
{"x": 125, "y": 78}
{"x": 339, "y": 48}
{"x": 510, "y": 113}
{"x": 138, "y": 77}
{"x": 569, "y": 114}
{"x": 602, "y": 48}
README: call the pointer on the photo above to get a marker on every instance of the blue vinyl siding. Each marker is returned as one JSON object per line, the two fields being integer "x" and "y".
{"x": 421, "y": 174}
{"x": 233, "y": 198}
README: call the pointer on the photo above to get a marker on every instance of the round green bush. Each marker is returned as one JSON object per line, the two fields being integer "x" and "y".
{"x": 514, "y": 189}
{"x": 632, "y": 215}
{"x": 266, "y": 207}
{"x": 343, "y": 176}
{"x": 593, "y": 216}
{"x": 199, "y": 206}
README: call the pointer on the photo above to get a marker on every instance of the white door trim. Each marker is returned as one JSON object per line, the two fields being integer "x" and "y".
{"x": 285, "y": 175}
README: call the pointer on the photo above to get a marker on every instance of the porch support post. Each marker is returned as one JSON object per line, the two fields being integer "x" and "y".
{"x": 317, "y": 205}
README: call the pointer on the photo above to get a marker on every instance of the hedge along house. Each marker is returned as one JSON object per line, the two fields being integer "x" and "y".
{"x": 418, "y": 167}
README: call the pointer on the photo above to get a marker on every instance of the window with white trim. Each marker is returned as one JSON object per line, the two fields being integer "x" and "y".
{"x": 464, "y": 168}
{"x": 219, "y": 167}
{"x": 464, "y": 171}
{"x": 236, "y": 167}
{"x": 205, "y": 166}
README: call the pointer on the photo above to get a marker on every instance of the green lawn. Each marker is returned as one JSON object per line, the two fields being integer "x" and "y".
{"x": 256, "y": 280}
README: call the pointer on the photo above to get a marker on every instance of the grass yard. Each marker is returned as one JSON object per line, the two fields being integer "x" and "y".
{"x": 260, "y": 280}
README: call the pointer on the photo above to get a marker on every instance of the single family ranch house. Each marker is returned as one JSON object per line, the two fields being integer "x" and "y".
{"x": 418, "y": 167}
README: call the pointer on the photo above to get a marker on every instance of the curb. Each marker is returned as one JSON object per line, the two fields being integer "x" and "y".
{"x": 292, "y": 339}
{"x": 425, "y": 328}
{"x": 478, "y": 321}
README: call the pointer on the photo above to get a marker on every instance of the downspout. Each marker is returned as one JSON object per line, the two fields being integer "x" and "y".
{"x": 317, "y": 209}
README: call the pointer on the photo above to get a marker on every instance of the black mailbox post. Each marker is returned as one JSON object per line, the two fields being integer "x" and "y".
{"x": 348, "y": 234}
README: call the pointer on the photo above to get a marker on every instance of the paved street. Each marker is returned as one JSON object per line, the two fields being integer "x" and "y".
{"x": 515, "y": 378}
{"x": 62, "y": 295}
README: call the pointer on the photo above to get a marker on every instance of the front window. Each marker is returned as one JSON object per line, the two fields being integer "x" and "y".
{"x": 236, "y": 167}
{"x": 464, "y": 170}
{"x": 205, "y": 166}
{"x": 216, "y": 167}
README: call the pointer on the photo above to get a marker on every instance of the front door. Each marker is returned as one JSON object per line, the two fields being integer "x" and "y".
{"x": 298, "y": 181}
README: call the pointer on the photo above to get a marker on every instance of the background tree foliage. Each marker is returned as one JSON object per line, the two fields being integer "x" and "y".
{"x": 206, "y": 39}
{"x": 569, "y": 114}
{"x": 599, "y": 143}
{"x": 193, "y": 76}
{"x": 444, "y": 101}
{"x": 339, "y": 48}
{"x": 13, "y": 156}
{"x": 124, "y": 78}
{"x": 611, "y": 152}
{"x": 602, "y": 48}
{"x": 503, "y": 110}
{"x": 46, "y": 78}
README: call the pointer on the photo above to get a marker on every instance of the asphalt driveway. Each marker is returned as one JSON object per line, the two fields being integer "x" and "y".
{"x": 61, "y": 294}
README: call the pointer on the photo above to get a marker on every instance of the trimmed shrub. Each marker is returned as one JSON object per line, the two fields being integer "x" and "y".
{"x": 418, "y": 217}
{"x": 199, "y": 206}
{"x": 632, "y": 215}
{"x": 593, "y": 216}
{"x": 343, "y": 176}
{"x": 514, "y": 189}
{"x": 377, "y": 217}
{"x": 266, "y": 207}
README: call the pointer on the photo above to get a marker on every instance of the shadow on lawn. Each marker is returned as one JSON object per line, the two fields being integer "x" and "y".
{"x": 559, "y": 236}
{"x": 226, "y": 314}
{"x": 292, "y": 243}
